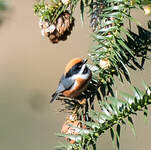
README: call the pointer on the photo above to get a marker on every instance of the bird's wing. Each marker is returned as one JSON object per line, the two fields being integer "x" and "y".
{"x": 64, "y": 84}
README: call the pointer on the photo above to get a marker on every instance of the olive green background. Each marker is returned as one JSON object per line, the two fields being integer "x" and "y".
{"x": 30, "y": 67}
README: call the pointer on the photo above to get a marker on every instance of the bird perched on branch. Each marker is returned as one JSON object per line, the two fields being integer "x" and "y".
{"x": 74, "y": 80}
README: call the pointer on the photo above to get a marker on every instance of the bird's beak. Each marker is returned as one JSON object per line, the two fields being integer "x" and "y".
{"x": 85, "y": 60}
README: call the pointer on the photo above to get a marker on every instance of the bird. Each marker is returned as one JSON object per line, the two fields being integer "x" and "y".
{"x": 74, "y": 80}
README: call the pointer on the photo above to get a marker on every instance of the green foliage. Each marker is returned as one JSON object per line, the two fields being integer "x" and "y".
{"x": 146, "y": 2}
{"x": 111, "y": 42}
{"x": 47, "y": 11}
{"x": 3, "y": 7}
{"x": 120, "y": 49}
{"x": 114, "y": 112}
{"x": 50, "y": 11}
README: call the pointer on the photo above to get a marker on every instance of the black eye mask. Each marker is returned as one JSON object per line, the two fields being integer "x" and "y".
{"x": 74, "y": 70}
{"x": 85, "y": 71}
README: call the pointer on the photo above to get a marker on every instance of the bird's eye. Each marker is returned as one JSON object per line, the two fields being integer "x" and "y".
{"x": 79, "y": 67}
{"x": 74, "y": 70}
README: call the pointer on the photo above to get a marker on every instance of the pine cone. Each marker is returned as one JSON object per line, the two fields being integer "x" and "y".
{"x": 96, "y": 16}
{"x": 59, "y": 30}
{"x": 71, "y": 122}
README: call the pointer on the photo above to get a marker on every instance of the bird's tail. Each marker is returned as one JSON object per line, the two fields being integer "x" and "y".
{"x": 54, "y": 97}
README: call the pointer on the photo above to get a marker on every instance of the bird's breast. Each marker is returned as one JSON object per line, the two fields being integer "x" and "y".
{"x": 78, "y": 87}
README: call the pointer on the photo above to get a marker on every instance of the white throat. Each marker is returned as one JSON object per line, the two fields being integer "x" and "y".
{"x": 80, "y": 74}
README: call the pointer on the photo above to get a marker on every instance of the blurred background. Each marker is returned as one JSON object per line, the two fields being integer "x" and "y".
{"x": 30, "y": 68}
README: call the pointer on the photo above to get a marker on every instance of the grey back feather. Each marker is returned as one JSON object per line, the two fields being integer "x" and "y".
{"x": 64, "y": 84}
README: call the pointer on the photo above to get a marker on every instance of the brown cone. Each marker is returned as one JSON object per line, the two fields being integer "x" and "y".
{"x": 68, "y": 126}
{"x": 59, "y": 30}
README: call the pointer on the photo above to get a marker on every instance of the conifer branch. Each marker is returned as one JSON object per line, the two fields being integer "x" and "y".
{"x": 116, "y": 50}
{"x": 114, "y": 112}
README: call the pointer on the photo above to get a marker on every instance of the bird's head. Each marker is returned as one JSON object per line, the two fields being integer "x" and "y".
{"x": 77, "y": 68}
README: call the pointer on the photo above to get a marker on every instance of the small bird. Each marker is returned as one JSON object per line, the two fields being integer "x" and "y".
{"x": 75, "y": 79}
